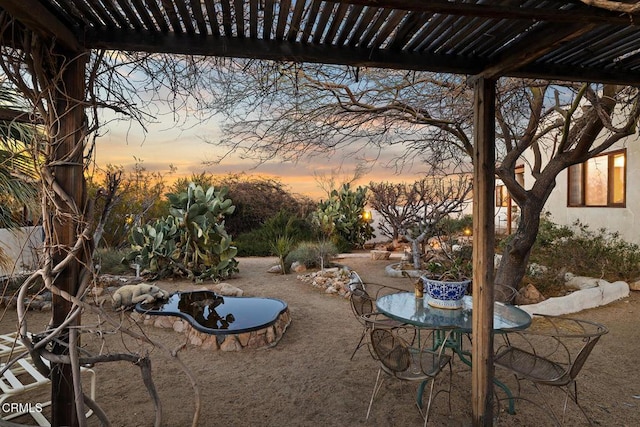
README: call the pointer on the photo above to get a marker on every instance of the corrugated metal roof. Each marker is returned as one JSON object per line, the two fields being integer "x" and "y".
{"x": 528, "y": 38}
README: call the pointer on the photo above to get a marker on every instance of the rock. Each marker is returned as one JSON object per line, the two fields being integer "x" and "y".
{"x": 380, "y": 255}
{"x": 230, "y": 344}
{"x": 634, "y": 286}
{"x": 529, "y": 295}
{"x": 582, "y": 282}
{"x": 297, "y": 267}
{"x": 226, "y": 289}
{"x": 276, "y": 269}
{"x": 179, "y": 325}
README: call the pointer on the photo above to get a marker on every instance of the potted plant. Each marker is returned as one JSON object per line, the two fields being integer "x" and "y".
{"x": 447, "y": 276}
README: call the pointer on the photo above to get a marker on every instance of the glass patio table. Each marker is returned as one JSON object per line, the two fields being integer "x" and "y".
{"x": 451, "y": 325}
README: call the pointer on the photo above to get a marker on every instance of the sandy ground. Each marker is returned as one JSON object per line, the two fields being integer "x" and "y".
{"x": 308, "y": 379}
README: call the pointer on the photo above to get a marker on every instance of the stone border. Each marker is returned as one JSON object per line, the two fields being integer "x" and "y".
{"x": 261, "y": 338}
{"x": 391, "y": 271}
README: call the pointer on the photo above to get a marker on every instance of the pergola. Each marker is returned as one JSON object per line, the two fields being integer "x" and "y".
{"x": 483, "y": 39}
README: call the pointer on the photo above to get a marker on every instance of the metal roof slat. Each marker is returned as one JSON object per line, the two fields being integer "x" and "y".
{"x": 336, "y": 22}
{"x": 88, "y": 16}
{"x": 143, "y": 13}
{"x": 284, "y": 9}
{"x": 502, "y": 39}
{"x": 365, "y": 21}
{"x": 372, "y": 30}
{"x": 296, "y": 19}
{"x": 212, "y": 16}
{"x": 327, "y": 11}
{"x": 349, "y": 23}
{"x": 116, "y": 14}
{"x": 130, "y": 15}
{"x": 65, "y": 15}
{"x": 226, "y": 17}
{"x": 577, "y": 49}
{"x": 253, "y": 19}
{"x": 311, "y": 20}
{"x": 185, "y": 16}
{"x": 283, "y": 13}
{"x": 477, "y": 39}
{"x": 173, "y": 16}
{"x": 102, "y": 12}
{"x": 196, "y": 7}
{"x": 461, "y": 36}
{"x": 161, "y": 22}
{"x": 437, "y": 24}
{"x": 238, "y": 8}
{"x": 267, "y": 22}
{"x": 442, "y": 28}
{"x": 620, "y": 45}
{"x": 406, "y": 30}
{"x": 388, "y": 27}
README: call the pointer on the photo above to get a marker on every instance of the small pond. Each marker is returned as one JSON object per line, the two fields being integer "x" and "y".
{"x": 215, "y": 314}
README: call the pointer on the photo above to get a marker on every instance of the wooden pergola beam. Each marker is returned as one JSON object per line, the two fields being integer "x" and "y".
{"x": 537, "y": 43}
{"x": 38, "y": 19}
{"x": 143, "y": 41}
{"x": 483, "y": 251}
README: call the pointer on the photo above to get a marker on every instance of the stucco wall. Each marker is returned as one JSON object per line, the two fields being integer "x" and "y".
{"x": 22, "y": 246}
{"x": 623, "y": 220}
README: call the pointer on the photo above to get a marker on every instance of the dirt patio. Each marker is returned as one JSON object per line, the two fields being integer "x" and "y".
{"x": 308, "y": 379}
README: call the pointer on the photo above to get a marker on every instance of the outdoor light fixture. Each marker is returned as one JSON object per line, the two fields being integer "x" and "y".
{"x": 366, "y": 216}
{"x": 467, "y": 231}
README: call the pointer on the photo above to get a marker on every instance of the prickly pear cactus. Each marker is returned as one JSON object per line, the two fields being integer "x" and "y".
{"x": 191, "y": 241}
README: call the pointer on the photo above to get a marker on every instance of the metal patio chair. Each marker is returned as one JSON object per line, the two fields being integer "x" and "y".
{"x": 363, "y": 306}
{"x": 551, "y": 352}
{"x": 400, "y": 360}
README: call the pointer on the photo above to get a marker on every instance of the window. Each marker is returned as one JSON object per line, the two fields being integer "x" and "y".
{"x": 502, "y": 196}
{"x": 600, "y": 181}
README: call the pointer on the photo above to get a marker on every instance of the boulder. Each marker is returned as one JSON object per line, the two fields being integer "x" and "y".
{"x": 226, "y": 289}
{"x": 529, "y": 295}
{"x": 380, "y": 255}
{"x": 298, "y": 267}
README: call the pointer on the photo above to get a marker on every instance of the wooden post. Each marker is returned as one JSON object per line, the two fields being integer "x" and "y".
{"x": 66, "y": 160}
{"x": 483, "y": 251}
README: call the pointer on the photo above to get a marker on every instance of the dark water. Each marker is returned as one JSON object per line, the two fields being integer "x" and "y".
{"x": 215, "y": 314}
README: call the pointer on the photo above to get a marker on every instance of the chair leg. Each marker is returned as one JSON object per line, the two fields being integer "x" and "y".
{"x": 376, "y": 389}
{"x": 362, "y": 337}
{"x": 431, "y": 396}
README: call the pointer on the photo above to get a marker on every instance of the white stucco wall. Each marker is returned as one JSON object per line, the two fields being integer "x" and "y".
{"x": 22, "y": 246}
{"x": 623, "y": 220}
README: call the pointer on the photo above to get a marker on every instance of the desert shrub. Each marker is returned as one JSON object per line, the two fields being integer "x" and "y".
{"x": 110, "y": 261}
{"x": 584, "y": 252}
{"x": 260, "y": 242}
{"x": 309, "y": 254}
{"x": 252, "y": 243}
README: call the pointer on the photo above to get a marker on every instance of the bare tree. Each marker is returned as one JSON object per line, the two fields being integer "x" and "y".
{"x": 291, "y": 110}
{"x": 414, "y": 211}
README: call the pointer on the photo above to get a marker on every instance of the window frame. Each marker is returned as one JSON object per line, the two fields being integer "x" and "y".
{"x": 610, "y": 181}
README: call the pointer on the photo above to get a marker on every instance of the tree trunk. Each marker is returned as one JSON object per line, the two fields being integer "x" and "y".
{"x": 515, "y": 258}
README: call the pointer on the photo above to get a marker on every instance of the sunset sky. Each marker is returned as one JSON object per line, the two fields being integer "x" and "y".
{"x": 165, "y": 144}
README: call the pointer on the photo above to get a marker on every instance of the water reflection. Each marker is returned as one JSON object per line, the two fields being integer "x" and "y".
{"x": 202, "y": 307}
